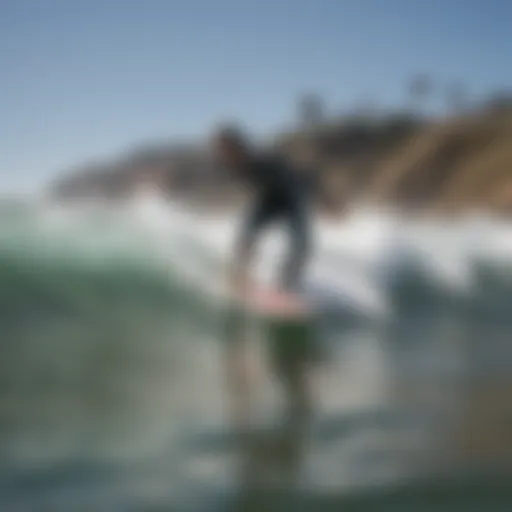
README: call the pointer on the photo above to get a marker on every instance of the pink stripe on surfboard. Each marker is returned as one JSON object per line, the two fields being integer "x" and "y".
{"x": 275, "y": 303}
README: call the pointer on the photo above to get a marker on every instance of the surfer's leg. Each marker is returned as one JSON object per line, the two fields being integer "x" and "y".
{"x": 299, "y": 250}
{"x": 260, "y": 215}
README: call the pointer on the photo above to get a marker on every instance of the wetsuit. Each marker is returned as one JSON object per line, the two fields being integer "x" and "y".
{"x": 282, "y": 195}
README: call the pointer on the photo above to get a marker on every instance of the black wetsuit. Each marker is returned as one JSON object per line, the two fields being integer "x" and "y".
{"x": 282, "y": 195}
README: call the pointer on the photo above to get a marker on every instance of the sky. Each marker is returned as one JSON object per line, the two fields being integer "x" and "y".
{"x": 86, "y": 80}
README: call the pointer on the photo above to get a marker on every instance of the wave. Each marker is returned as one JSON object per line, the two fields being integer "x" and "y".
{"x": 111, "y": 320}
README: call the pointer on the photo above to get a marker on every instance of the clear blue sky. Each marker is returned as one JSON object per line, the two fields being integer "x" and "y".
{"x": 87, "y": 79}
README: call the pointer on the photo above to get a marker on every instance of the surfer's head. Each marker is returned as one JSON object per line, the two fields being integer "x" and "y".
{"x": 231, "y": 147}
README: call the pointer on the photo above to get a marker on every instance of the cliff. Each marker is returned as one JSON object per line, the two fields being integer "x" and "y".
{"x": 445, "y": 165}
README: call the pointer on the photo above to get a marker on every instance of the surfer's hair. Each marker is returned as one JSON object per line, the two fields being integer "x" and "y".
{"x": 232, "y": 134}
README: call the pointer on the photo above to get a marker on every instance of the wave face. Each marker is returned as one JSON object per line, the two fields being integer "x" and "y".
{"x": 111, "y": 334}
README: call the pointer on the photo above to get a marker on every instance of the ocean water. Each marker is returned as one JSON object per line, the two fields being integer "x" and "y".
{"x": 111, "y": 384}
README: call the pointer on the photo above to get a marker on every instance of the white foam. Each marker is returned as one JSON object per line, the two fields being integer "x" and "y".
{"x": 354, "y": 259}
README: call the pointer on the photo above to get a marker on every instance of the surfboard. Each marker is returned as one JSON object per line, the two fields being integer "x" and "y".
{"x": 269, "y": 302}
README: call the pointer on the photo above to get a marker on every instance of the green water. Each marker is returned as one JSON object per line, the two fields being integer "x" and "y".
{"x": 109, "y": 355}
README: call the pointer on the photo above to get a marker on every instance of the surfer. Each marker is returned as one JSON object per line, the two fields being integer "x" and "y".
{"x": 281, "y": 194}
